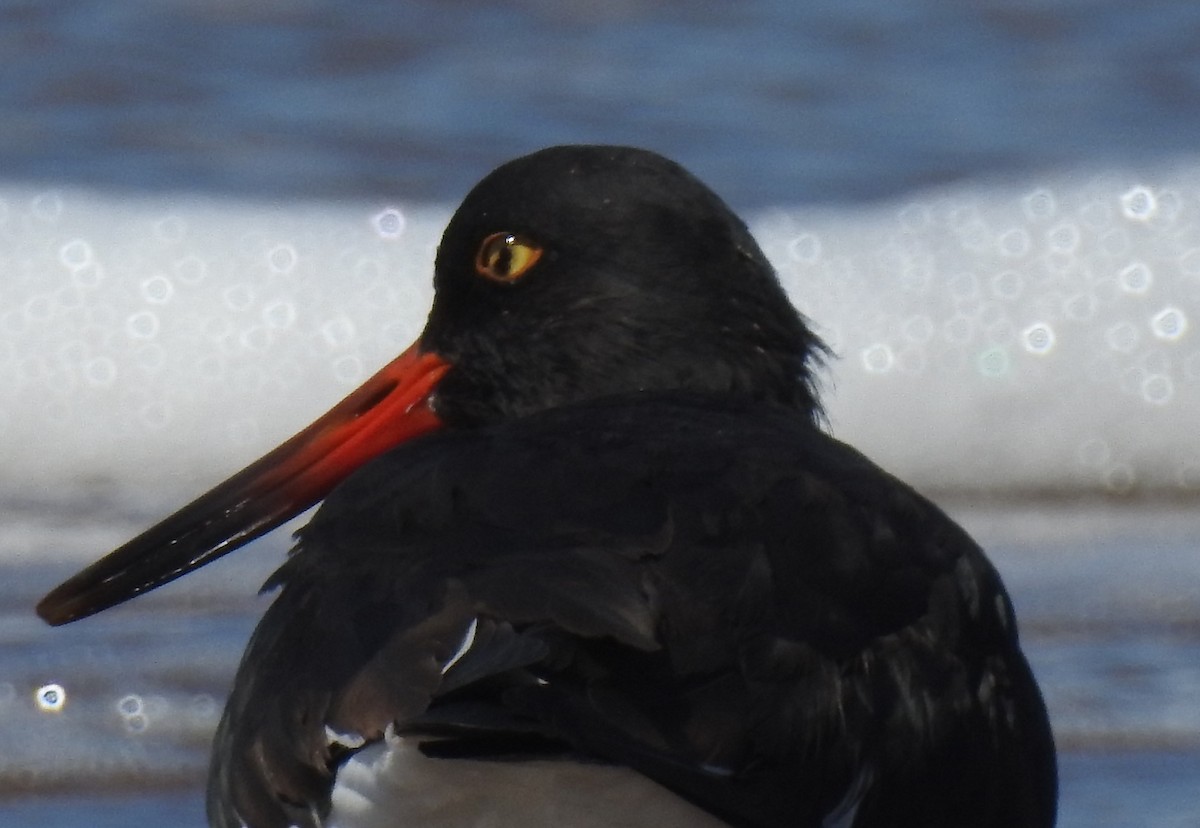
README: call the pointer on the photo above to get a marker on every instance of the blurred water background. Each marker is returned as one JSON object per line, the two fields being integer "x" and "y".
{"x": 216, "y": 219}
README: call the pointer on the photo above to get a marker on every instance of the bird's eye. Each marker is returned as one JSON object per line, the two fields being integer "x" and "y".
{"x": 505, "y": 257}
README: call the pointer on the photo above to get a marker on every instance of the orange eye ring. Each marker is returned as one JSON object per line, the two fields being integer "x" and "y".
{"x": 506, "y": 257}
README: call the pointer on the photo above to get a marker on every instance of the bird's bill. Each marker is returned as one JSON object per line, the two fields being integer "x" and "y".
{"x": 390, "y": 408}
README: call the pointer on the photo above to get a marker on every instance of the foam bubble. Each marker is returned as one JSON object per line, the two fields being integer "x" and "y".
{"x": 1015, "y": 242}
{"x": 1038, "y": 338}
{"x": 75, "y": 254}
{"x": 338, "y": 332}
{"x": 878, "y": 358}
{"x": 1039, "y": 205}
{"x": 1139, "y": 204}
{"x": 1157, "y": 389}
{"x": 348, "y": 369}
{"x": 157, "y": 290}
{"x": 1135, "y": 278}
{"x": 389, "y": 223}
{"x": 100, "y": 372}
{"x": 282, "y": 258}
{"x": 994, "y": 362}
{"x": 142, "y": 325}
{"x": 1064, "y": 237}
{"x": 137, "y": 723}
{"x": 1169, "y": 324}
{"x": 805, "y": 248}
{"x": 50, "y": 698}
{"x": 130, "y": 705}
{"x": 279, "y": 314}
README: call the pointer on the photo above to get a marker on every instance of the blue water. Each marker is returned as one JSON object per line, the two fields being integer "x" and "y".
{"x": 182, "y": 183}
{"x": 148, "y": 810}
{"x": 772, "y": 102}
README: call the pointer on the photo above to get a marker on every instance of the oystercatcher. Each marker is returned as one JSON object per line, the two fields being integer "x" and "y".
{"x": 586, "y": 542}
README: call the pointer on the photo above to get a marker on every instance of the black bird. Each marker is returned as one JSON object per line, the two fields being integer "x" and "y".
{"x": 604, "y": 531}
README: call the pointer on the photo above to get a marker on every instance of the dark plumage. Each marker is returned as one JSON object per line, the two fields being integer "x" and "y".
{"x": 648, "y": 282}
{"x": 628, "y": 541}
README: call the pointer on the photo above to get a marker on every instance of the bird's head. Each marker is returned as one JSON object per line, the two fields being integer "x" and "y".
{"x": 584, "y": 271}
{"x": 567, "y": 275}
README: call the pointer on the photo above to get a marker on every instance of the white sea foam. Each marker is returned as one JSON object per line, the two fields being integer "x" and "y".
{"x": 1038, "y": 335}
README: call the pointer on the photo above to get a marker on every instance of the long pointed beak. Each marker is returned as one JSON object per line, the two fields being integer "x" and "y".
{"x": 391, "y": 407}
